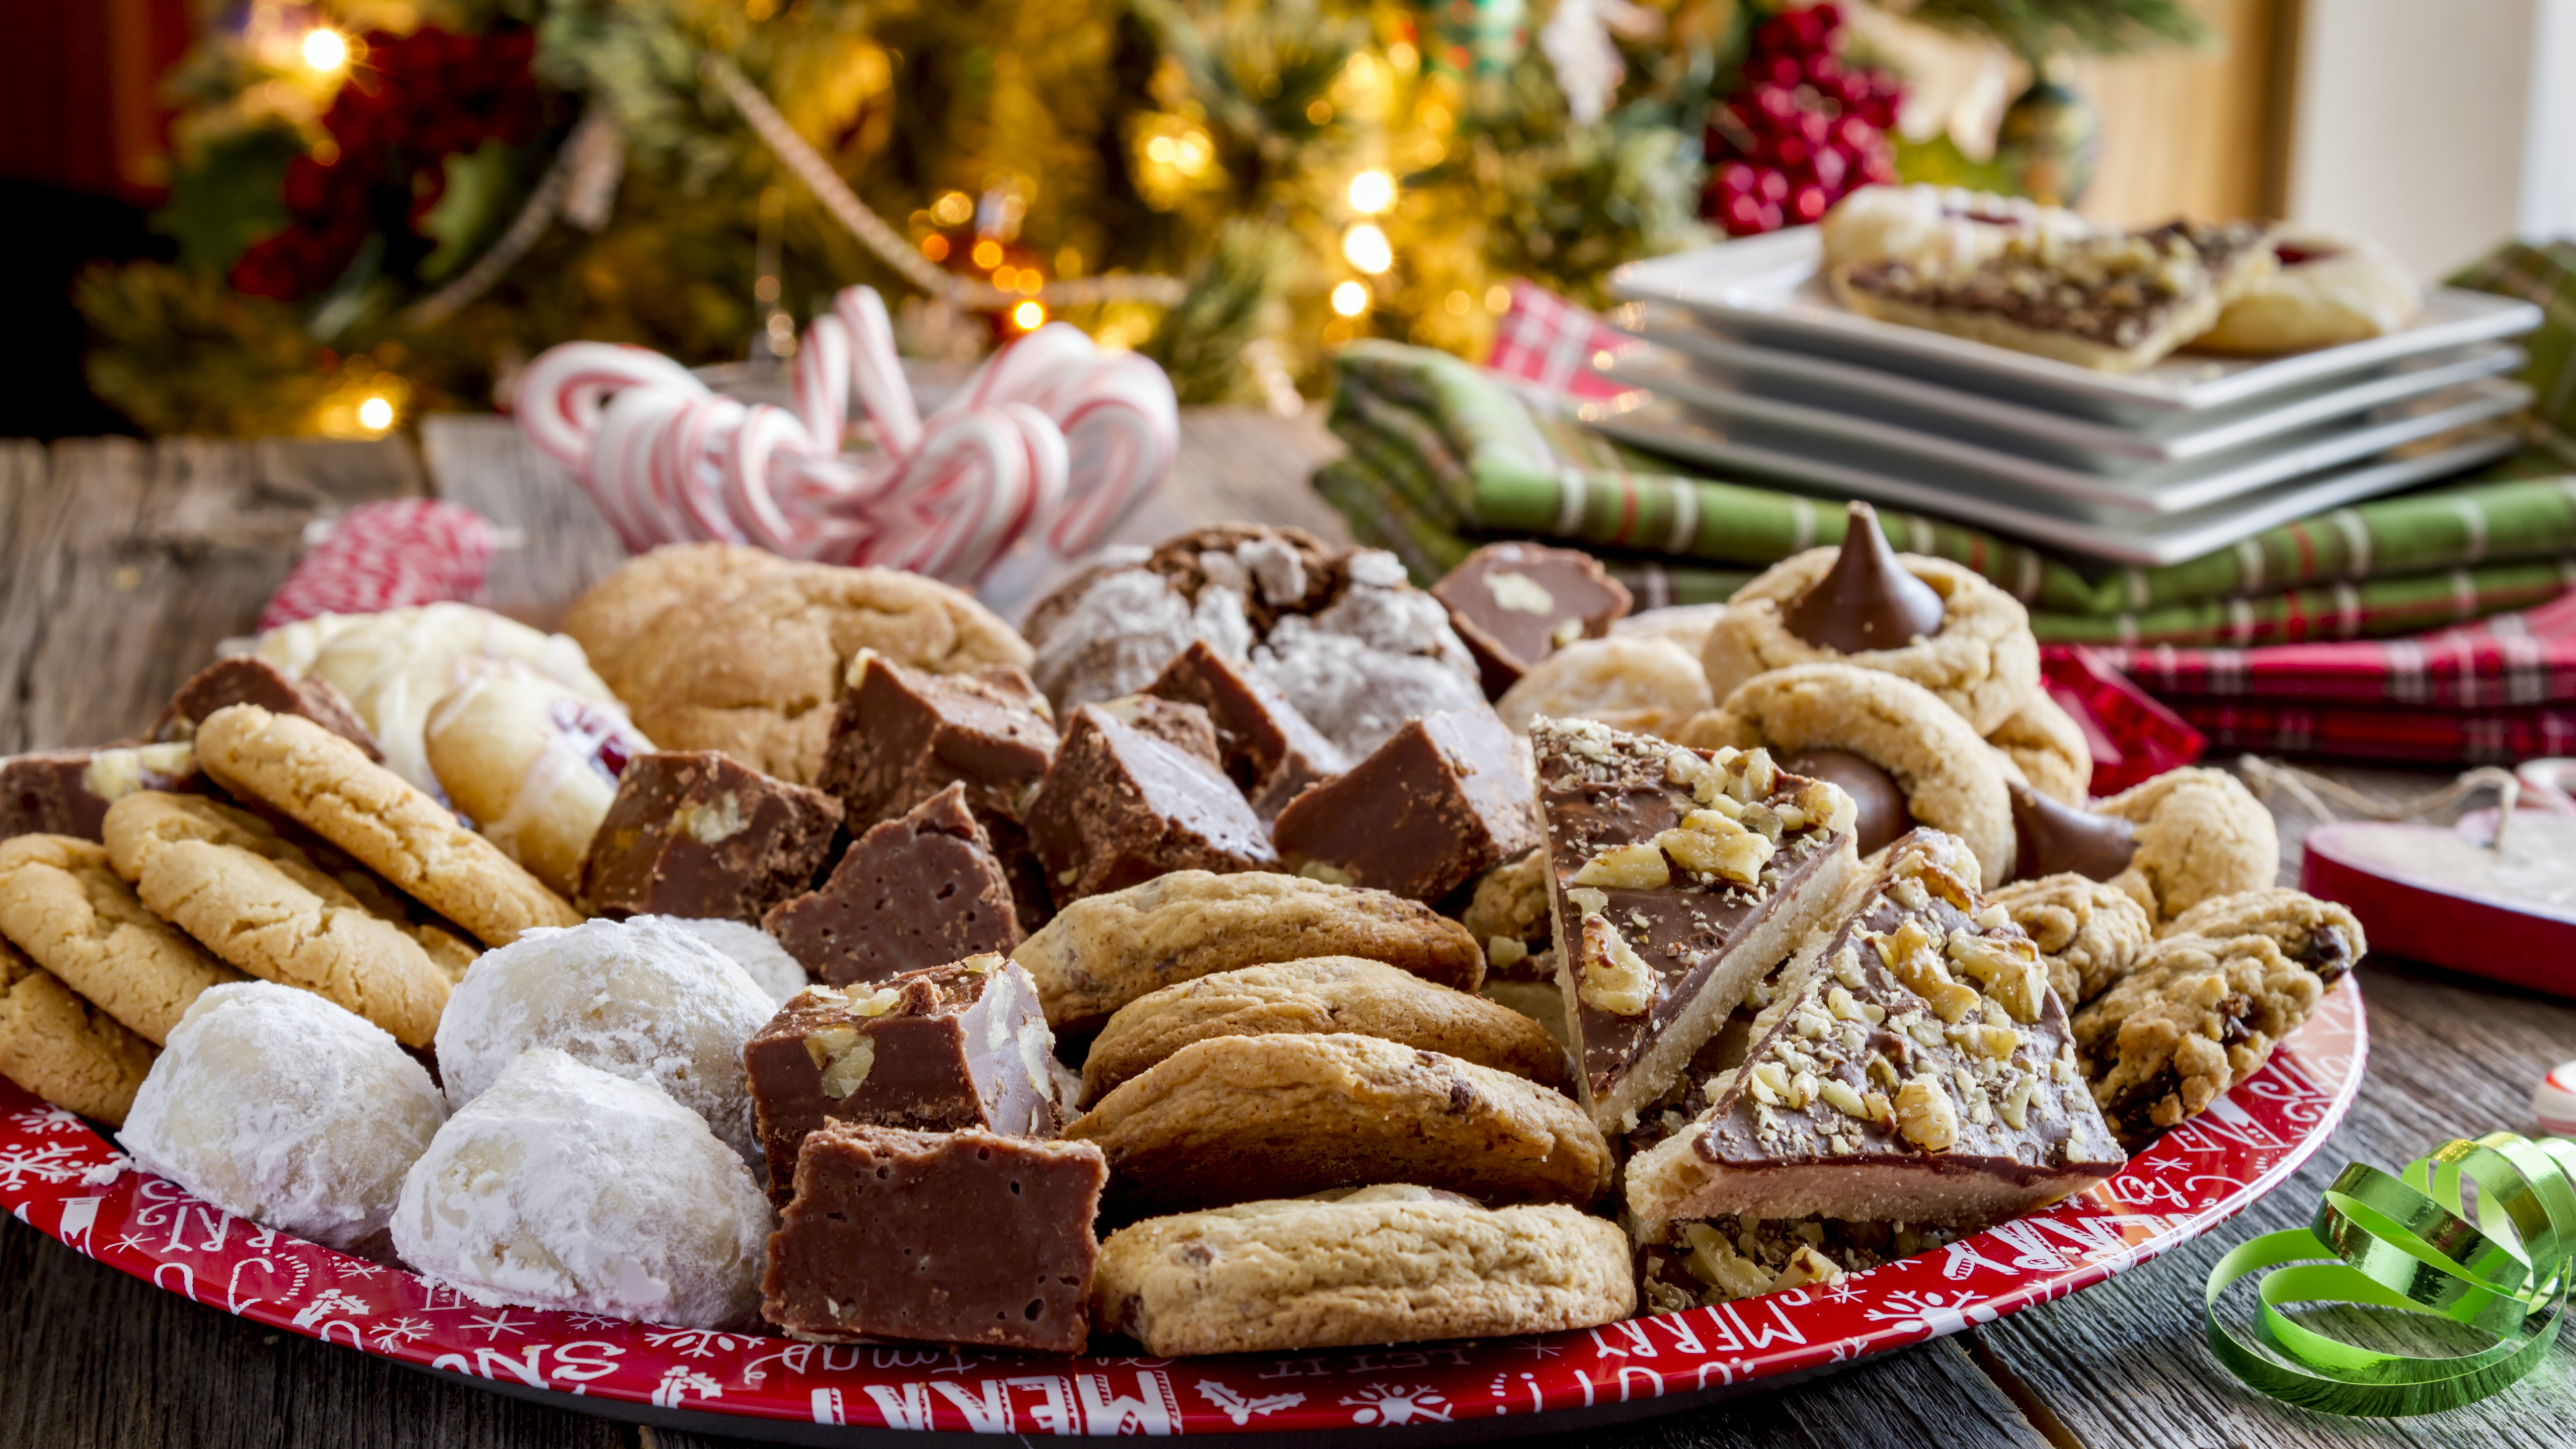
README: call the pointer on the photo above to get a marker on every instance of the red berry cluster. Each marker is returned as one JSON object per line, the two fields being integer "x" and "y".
{"x": 1800, "y": 130}
{"x": 410, "y": 101}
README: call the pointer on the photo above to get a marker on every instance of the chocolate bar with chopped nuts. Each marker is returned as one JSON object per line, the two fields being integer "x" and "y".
{"x": 1676, "y": 877}
{"x": 1914, "y": 1066}
{"x": 919, "y": 891}
{"x": 1514, "y": 604}
{"x": 953, "y": 1237}
{"x": 1441, "y": 801}
{"x": 956, "y": 1046}
{"x": 698, "y": 834}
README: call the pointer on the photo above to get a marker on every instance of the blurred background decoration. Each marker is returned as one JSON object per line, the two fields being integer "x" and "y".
{"x": 328, "y": 216}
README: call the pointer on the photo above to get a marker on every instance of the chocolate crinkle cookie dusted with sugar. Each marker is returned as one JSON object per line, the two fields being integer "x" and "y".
{"x": 566, "y": 1187}
{"x": 1342, "y": 636}
{"x": 277, "y": 1106}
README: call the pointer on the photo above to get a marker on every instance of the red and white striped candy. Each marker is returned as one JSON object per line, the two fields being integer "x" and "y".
{"x": 387, "y": 555}
{"x": 1048, "y": 443}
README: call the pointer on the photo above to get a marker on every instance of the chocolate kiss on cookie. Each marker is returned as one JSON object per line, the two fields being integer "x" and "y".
{"x": 1867, "y": 600}
{"x": 2049, "y": 838}
{"x": 1881, "y": 813}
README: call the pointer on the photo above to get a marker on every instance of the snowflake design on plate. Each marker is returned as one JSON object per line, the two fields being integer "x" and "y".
{"x": 693, "y": 1342}
{"x": 398, "y": 1334}
{"x": 53, "y": 1162}
{"x": 47, "y": 1118}
{"x": 493, "y": 1325}
{"x": 592, "y": 1322}
{"x": 679, "y": 1383}
{"x": 1395, "y": 1404}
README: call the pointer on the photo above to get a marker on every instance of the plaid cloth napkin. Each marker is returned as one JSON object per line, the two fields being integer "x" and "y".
{"x": 1443, "y": 452}
{"x": 2393, "y": 736}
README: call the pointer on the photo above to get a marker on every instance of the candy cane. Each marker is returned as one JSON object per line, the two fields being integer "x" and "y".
{"x": 1050, "y": 440}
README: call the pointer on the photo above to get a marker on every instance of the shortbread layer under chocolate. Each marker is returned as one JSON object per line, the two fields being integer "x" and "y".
{"x": 1440, "y": 802}
{"x": 1676, "y": 878}
{"x": 1914, "y": 1068}
{"x": 960, "y": 1237}
{"x": 937, "y": 1051}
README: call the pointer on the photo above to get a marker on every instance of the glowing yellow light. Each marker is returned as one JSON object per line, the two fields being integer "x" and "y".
{"x": 987, "y": 254}
{"x": 1319, "y": 110}
{"x": 1498, "y": 299}
{"x": 1160, "y": 149}
{"x": 1455, "y": 304}
{"x": 1027, "y": 316}
{"x": 1367, "y": 248}
{"x": 1028, "y": 281}
{"x": 952, "y": 209}
{"x": 1372, "y": 191}
{"x": 325, "y": 49}
{"x": 935, "y": 247}
{"x": 1192, "y": 152}
{"x": 1402, "y": 57}
{"x": 1350, "y": 299}
{"x": 376, "y": 414}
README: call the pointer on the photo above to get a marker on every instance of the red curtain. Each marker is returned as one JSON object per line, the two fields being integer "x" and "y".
{"x": 80, "y": 92}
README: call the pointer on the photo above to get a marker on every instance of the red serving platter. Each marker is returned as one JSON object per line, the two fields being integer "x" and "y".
{"x": 60, "y": 1176}
{"x": 2447, "y": 923}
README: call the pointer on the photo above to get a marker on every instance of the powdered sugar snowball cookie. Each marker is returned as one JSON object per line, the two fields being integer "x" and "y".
{"x": 567, "y": 1187}
{"x": 1342, "y": 634}
{"x": 395, "y": 666}
{"x": 277, "y": 1106}
{"x": 1628, "y": 682}
{"x": 754, "y": 950}
{"x": 534, "y": 765}
{"x": 639, "y": 998}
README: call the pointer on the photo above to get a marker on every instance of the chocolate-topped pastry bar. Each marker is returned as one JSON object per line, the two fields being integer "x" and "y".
{"x": 67, "y": 792}
{"x": 1120, "y": 807}
{"x": 955, "y": 1046}
{"x": 1676, "y": 877}
{"x": 1268, "y": 749}
{"x": 2110, "y": 300}
{"x": 696, "y": 833}
{"x": 1514, "y": 604}
{"x": 249, "y": 679}
{"x": 949, "y": 1237}
{"x": 1441, "y": 801}
{"x": 1915, "y": 1068}
{"x": 919, "y": 891}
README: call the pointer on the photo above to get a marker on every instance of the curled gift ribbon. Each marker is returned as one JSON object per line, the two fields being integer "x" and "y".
{"x": 2405, "y": 1244}
{"x": 1049, "y": 441}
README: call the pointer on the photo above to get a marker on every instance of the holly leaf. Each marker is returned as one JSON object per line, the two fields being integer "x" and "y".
{"x": 483, "y": 193}
{"x": 228, "y": 195}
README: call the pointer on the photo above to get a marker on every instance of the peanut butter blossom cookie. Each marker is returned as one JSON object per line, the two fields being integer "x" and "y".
{"x": 2170, "y": 843}
{"x": 2047, "y": 746}
{"x": 1923, "y": 619}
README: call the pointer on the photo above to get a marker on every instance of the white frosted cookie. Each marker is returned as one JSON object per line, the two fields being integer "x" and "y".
{"x": 637, "y": 998}
{"x": 395, "y": 665}
{"x": 566, "y": 1187}
{"x": 533, "y": 764}
{"x": 2330, "y": 290}
{"x": 754, "y": 950}
{"x": 277, "y": 1106}
{"x": 1936, "y": 226}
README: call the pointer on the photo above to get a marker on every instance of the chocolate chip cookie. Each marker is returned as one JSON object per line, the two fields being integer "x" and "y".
{"x": 2198, "y": 1015}
{"x": 2320, "y": 935}
{"x": 2089, "y": 933}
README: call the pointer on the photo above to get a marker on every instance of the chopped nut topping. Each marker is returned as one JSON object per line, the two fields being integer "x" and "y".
{"x": 1806, "y": 1266}
{"x": 1712, "y": 843}
{"x": 1617, "y": 980}
{"x": 2014, "y": 1108}
{"x": 2008, "y": 967}
{"x": 1925, "y": 1115}
{"x": 1587, "y": 901}
{"x": 845, "y": 1057}
{"x": 713, "y": 822}
{"x": 1502, "y": 952}
{"x": 1714, "y": 1261}
{"x": 1637, "y": 867}
{"x": 1828, "y": 802}
{"x": 1840, "y": 1095}
{"x": 1909, "y": 956}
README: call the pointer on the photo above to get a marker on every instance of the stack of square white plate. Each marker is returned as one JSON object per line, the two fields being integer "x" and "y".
{"x": 1742, "y": 359}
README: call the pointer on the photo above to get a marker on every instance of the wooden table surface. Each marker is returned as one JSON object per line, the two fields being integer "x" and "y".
{"x": 122, "y": 565}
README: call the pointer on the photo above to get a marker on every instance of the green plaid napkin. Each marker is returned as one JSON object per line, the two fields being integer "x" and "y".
{"x": 1446, "y": 452}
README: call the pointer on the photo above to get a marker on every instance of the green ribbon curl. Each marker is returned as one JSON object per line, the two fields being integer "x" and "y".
{"x": 2401, "y": 1243}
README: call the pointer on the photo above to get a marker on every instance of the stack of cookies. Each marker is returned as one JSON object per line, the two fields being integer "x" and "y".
{"x": 1371, "y": 964}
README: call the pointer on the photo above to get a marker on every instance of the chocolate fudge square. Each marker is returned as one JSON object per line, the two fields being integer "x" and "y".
{"x": 1269, "y": 750}
{"x": 67, "y": 792}
{"x": 1120, "y": 807}
{"x": 696, "y": 833}
{"x": 1185, "y": 727}
{"x": 1514, "y": 604}
{"x": 1442, "y": 801}
{"x": 919, "y": 891}
{"x": 956, "y": 1046}
{"x": 248, "y": 679}
{"x": 901, "y": 736}
{"x": 958, "y": 1237}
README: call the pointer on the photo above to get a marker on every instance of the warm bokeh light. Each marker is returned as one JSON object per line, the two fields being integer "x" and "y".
{"x": 1372, "y": 191}
{"x": 935, "y": 247}
{"x": 952, "y": 209}
{"x": 325, "y": 49}
{"x": 1367, "y": 248}
{"x": 376, "y": 414}
{"x": 1027, "y": 316}
{"x": 987, "y": 254}
{"x": 1350, "y": 299}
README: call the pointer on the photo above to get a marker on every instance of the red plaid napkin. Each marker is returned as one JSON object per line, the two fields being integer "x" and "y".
{"x": 2527, "y": 658}
{"x": 2395, "y": 736}
{"x": 2132, "y": 737}
{"x": 386, "y": 556}
{"x": 1549, "y": 341}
